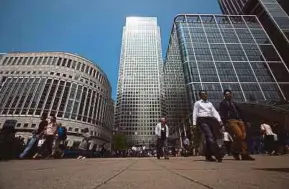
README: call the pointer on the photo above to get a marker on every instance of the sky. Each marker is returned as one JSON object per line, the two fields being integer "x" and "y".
{"x": 89, "y": 28}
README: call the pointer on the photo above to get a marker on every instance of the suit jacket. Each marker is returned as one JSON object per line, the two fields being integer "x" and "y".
{"x": 227, "y": 112}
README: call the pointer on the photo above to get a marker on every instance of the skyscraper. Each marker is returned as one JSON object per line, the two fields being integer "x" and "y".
{"x": 139, "y": 93}
{"x": 218, "y": 52}
{"x": 273, "y": 14}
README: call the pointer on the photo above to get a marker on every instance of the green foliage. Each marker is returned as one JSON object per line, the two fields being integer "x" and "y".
{"x": 119, "y": 142}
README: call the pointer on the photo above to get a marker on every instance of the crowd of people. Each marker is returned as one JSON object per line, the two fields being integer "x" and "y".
{"x": 228, "y": 124}
{"x": 50, "y": 141}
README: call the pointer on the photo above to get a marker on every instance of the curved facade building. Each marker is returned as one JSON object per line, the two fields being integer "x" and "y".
{"x": 68, "y": 86}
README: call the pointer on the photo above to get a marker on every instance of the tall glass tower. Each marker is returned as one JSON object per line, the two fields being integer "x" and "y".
{"x": 218, "y": 52}
{"x": 273, "y": 15}
{"x": 139, "y": 93}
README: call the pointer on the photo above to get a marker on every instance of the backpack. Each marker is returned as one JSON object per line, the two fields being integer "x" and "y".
{"x": 62, "y": 133}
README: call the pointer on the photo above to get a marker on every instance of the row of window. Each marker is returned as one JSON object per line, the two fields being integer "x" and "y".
{"x": 81, "y": 79}
{"x": 56, "y": 61}
{"x": 35, "y": 96}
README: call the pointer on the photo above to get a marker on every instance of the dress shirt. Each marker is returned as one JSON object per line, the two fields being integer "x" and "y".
{"x": 204, "y": 109}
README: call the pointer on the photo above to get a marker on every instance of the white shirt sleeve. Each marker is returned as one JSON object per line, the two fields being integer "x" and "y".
{"x": 262, "y": 127}
{"x": 215, "y": 113}
{"x": 195, "y": 113}
{"x": 157, "y": 130}
{"x": 167, "y": 131}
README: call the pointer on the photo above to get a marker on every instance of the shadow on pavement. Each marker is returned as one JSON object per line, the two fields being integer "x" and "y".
{"x": 284, "y": 170}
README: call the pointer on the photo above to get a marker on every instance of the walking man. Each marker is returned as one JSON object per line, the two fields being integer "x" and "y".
{"x": 209, "y": 121}
{"x": 162, "y": 133}
{"x": 231, "y": 116}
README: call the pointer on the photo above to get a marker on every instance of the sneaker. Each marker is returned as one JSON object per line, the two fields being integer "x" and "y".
{"x": 247, "y": 157}
{"x": 167, "y": 158}
{"x": 79, "y": 157}
{"x": 83, "y": 158}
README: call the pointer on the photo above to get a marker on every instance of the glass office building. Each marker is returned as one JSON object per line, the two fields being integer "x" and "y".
{"x": 273, "y": 15}
{"x": 68, "y": 86}
{"x": 220, "y": 52}
{"x": 139, "y": 93}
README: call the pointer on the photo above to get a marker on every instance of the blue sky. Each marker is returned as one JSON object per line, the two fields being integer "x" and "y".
{"x": 90, "y": 28}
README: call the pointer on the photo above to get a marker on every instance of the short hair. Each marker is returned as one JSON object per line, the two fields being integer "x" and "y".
{"x": 202, "y": 91}
{"x": 227, "y": 90}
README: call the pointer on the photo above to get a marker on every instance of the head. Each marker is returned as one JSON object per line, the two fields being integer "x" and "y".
{"x": 53, "y": 119}
{"x": 203, "y": 95}
{"x": 59, "y": 125}
{"x": 43, "y": 117}
{"x": 228, "y": 94}
{"x": 163, "y": 120}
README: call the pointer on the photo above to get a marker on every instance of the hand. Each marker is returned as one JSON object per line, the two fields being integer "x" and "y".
{"x": 222, "y": 129}
{"x": 221, "y": 123}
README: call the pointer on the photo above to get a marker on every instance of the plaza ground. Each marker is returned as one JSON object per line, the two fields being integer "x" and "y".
{"x": 145, "y": 173}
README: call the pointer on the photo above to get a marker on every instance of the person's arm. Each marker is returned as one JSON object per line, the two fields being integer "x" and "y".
{"x": 262, "y": 130}
{"x": 195, "y": 113}
{"x": 240, "y": 112}
{"x": 167, "y": 131}
{"x": 223, "y": 112}
{"x": 157, "y": 130}
{"x": 216, "y": 114}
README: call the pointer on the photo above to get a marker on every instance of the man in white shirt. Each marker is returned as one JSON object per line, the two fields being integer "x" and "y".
{"x": 162, "y": 133}
{"x": 270, "y": 137}
{"x": 208, "y": 119}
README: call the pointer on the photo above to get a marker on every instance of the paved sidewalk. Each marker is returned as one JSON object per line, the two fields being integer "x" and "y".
{"x": 145, "y": 173}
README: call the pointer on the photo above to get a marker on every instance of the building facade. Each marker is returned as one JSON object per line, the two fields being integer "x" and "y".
{"x": 68, "y": 86}
{"x": 218, "y": 52}
{"x": 273, "y": 14}
{"x": 139, "y": 92}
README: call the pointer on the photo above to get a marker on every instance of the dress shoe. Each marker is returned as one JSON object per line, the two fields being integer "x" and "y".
{"x": 247, "y": 157}
{"x": 211, "y": 159}
{"x": 236, "y": 156}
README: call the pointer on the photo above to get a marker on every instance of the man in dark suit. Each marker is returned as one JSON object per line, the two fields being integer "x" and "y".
{"x": 232, "y": 117}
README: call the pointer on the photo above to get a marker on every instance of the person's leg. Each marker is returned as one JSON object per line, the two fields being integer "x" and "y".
{"x": 238, "y": 137}
{"x": 49, "y": 140}
{"x": 270, "y": 143}
{"x": 210, "y": 142}
{"x": 228, "y": 147}
{"x": 158, "y": 148}
{"x": 28, "y": 147}
{"x": 165, "y": 147}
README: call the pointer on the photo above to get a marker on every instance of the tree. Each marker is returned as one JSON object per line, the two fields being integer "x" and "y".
{"x": 119, "y": 142}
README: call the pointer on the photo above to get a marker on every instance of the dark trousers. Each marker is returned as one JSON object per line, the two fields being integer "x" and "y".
{"x": 209, "y": 126}
{"x": 269, "y": 143}
{"x": 162, "y": 145}
{"x": 228, "y": 145}
{"x": 49, "y": 143}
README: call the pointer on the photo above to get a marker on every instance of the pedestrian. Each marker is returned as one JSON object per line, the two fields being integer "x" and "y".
{"x": 232, "y": 116}
{"x": 270, "y": 137}
{"x": 59, "y": 142}
{"x": 208, "y": 119}
{"x": 162, "y": 133}
{"x": 186, "y": 143}
{"x": 36, "y": 135}
{"x": 227, "y": 142}
{"x": 83, "y": 146}
{"x": 50, "y": 133}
